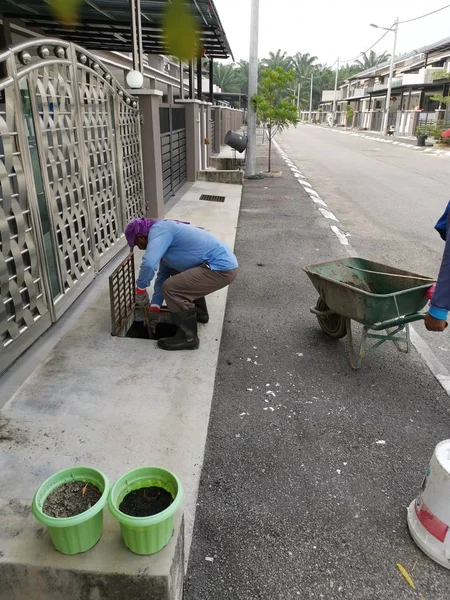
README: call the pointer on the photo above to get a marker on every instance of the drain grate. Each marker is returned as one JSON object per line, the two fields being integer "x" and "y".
{"x": 122, "y": 296}
{"x": 209, "y": 198}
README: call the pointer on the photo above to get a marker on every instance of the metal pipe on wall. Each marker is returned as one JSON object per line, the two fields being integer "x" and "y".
{"x": 211, "y": 80}
{"x": 134, "y": 39}
{"x": 199, "y": 78}
{"x": 191, "y": 81}
{"x": 181, "y": 80}
{"x": 139, "y": 37}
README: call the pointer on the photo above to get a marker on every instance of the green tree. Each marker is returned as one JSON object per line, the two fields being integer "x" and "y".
{"x": 225, "y": 76}
{"x": 347, "y": 71}
{"x": 242, "y": 76}
{"x": 273, "y": 107}
{"x": 304, "y": 65}
{"x": 277, "y": 59}
{"x": 367, "y": 61}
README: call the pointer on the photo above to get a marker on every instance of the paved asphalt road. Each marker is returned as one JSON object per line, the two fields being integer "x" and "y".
{"x": 387, "y": 197}
{"x": 297, "y": 499}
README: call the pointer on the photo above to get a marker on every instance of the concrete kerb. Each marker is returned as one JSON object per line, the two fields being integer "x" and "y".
{"x": 115, "y": 404}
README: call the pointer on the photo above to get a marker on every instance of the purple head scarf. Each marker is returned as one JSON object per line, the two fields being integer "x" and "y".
{"x": 141, "y": 227}
{"x": 138, "y": 227}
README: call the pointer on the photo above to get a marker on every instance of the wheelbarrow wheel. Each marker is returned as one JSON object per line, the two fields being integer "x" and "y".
{"x": 333, "y": 325}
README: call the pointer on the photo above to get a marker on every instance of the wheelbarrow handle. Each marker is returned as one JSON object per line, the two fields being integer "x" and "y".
{"x": 399, "y": 321}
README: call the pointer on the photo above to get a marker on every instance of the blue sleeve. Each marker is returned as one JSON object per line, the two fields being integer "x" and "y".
{"x": 440, "y": 302}
{"x": 163, "y": 274}
{"x": 441, "y": 225}
{"x": 159, "y": 240}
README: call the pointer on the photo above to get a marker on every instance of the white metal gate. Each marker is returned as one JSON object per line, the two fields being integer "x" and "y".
{"x": 70, "y": 178}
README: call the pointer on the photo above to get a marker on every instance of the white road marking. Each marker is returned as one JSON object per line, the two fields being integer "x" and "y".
{"x": 327, "y": 214}
{"x": 340, "y": 235}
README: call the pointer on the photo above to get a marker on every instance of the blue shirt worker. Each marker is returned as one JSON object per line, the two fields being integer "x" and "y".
{"x": 436, "y": 319}
{"x": 191, "y": 264}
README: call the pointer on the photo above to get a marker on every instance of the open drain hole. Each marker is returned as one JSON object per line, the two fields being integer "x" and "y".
{"x": 139, "y": 330}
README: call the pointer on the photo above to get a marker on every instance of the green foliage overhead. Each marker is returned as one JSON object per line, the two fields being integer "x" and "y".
{"x": 180, "y": 31}
{"x": 179, "y": 25}
{"x": 66, "y": 11}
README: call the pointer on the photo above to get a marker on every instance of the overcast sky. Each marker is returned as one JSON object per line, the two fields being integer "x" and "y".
{"x": 328, "y": 28}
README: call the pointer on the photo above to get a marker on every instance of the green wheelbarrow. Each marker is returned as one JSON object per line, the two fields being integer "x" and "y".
{"x": 382, "y": 299}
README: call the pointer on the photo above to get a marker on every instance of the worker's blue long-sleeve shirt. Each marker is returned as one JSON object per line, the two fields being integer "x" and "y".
{"x": 178, "y": 246}
{"x": 440, "y": 302}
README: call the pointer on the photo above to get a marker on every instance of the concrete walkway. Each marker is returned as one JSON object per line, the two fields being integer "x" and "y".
{"x": 309, "y": 466}
{"x": 115, "y": 404}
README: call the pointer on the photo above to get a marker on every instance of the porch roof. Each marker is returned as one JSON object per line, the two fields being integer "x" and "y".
{"x": 106, "y": 24}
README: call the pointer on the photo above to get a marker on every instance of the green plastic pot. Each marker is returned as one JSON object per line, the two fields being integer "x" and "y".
{"x": 80, "y": 533}
{"x": 146, "y": 535}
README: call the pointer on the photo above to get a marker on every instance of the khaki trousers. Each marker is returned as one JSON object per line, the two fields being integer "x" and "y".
{"x": 182, "y": 289}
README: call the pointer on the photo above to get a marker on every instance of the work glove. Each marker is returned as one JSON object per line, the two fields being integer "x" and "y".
{"x": 154, "y": 313}
{"x": 142, "y": 300}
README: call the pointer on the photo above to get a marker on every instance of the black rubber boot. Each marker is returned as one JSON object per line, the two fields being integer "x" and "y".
{"x": 201, "y": 310}
{"x": 186, "y": 337}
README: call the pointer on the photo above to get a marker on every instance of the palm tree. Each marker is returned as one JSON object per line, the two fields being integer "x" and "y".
{"x": 347, "y": 71}
{"x": 241, "y": 72}
{"x": 303, "y": 65}
{"x": 225, "y": 76}
{"x": 367, "y": 61}
{"x": 278, "y": 59}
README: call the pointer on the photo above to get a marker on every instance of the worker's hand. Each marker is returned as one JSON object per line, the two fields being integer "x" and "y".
{"x": 433, "y": 324}
{"x": 142, "y": 300}
{"x": 154, "y": 312}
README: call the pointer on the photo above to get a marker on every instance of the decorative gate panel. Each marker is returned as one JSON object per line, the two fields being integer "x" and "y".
{"x": 57, "y": 137}
{"x": 24, "y": 313}
{"x": 98, "y": 136}
{"x": 68, "y": 183}
{"x": 130, "y": 140}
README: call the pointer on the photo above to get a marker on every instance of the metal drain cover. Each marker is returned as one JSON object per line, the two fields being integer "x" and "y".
{"x": 122, "y": 296}
{"x": 209, "y": 198}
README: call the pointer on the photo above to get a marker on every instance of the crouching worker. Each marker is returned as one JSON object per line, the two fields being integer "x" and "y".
{"x": 191, "y": 264}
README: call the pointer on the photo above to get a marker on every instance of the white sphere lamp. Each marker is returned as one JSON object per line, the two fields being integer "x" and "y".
{"x": 135, "y": 79}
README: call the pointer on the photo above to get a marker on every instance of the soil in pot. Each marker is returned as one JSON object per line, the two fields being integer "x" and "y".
{"x": 146, "y": 502}
{"x": 71, "y": 499}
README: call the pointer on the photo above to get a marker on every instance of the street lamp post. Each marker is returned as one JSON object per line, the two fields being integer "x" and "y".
{"x": 394, "y": 28}
{"x": 252, "y": 89}
{"x": 311, "y": 80}
{"x": 336, "y": 79}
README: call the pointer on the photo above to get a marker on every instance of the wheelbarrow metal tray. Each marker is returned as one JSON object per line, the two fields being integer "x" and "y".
{"x": 368, "y": 292}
